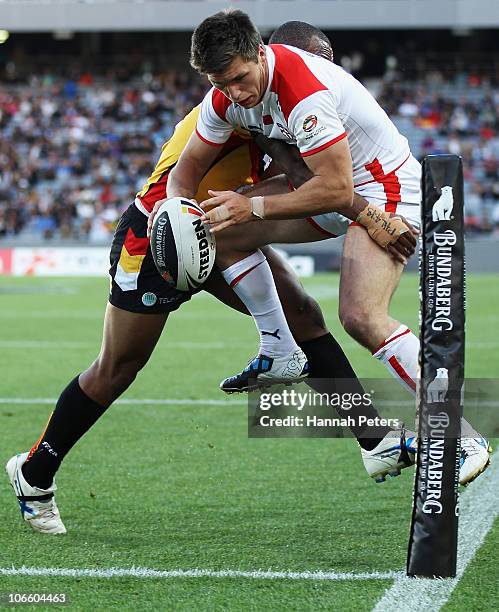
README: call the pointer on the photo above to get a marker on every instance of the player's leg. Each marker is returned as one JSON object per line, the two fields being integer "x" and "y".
{"x": 247, "y": 272}
{"x": 239, "y": 241}
{"x": 132, "y": 325}
{"x": 128, "y": 341}
{"x": 365, "y": 296}
{"x": 250, "y": 277}
{"x": 330, "y": 370}
{"x": 127, "y": 344}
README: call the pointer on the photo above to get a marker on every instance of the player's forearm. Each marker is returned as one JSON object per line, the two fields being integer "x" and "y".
{"x": 182, "y": 182}
{"x": 298, "y": 173}
{"x": 314, "y": 197}
{"x": 301, "y": 174}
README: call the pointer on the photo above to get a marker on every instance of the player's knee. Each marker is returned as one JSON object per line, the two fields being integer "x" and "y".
{"x": 230, "y": 249}
{"x": 358, "y": 322}
{"x": 109, "y": 377}
{"x": 305, "y": 318}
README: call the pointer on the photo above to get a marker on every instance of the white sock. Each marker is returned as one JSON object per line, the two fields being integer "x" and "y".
{"x": 252, "y": 280}
{"x": 400, "y": 354}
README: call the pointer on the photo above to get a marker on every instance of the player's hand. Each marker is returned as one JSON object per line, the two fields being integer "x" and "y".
{"x": 155, "y": 209}
{"x": 390, "y": 231}
{"x": 226, "y": 208}
{"x": 404, "y": 247}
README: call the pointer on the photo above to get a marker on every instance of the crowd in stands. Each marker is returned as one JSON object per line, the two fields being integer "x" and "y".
{"x": 73, "y": 152}
{"x": 458, "y": 116}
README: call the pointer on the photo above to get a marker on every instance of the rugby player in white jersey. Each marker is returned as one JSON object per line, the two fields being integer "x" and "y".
{"x": 347, "y": 142}
{"x": 133, "y": 324}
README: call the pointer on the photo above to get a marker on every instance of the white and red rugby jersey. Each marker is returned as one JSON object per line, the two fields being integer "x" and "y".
{"x": 313, "y": 103}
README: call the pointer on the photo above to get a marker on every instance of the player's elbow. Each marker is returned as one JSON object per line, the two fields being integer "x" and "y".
{"x": 346, "y": 196}
{"x": 340, "y": 196}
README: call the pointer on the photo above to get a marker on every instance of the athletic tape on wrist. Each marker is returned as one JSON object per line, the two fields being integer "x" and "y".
{"x": 258, "y": 206}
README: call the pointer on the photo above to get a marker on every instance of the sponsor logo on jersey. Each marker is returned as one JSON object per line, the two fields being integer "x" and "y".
{"x": 149, "y": 299}
{"x": 309, "y": 123}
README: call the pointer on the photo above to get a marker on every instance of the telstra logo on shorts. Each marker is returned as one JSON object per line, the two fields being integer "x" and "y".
{"x": 149, "y": 299}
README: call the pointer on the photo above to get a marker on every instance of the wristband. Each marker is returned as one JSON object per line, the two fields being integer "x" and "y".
{"x": 257, "y": 204}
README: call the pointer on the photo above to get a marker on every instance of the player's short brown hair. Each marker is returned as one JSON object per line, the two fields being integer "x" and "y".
{"x": 222, "y": 37}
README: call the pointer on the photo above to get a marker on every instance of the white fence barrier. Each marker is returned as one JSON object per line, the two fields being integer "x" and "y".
{"x": 89, "y": 261}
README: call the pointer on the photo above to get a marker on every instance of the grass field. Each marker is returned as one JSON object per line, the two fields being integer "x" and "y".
{"x": 181, "y": 487}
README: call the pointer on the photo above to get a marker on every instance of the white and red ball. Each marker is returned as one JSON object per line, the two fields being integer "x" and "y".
{"x": 182, "y": 247}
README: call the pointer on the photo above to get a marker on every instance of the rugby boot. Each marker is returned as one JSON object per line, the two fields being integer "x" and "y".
{"x": 38, "y": 507}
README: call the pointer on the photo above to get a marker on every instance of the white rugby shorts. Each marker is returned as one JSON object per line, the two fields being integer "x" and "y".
{"x": 398, "y": 192}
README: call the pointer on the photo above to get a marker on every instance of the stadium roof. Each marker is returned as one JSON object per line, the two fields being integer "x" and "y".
{"x": 136, "y": 15}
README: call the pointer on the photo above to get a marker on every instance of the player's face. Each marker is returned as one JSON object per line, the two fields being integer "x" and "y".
{"x": 244, "y": 82}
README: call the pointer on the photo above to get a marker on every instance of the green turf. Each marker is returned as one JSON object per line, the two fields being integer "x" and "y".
{"x": 182, "y": 487}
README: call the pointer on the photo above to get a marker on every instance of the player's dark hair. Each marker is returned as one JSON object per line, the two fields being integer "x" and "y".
{"x": 220, "y": 38}
{"x": 304, "y": 36}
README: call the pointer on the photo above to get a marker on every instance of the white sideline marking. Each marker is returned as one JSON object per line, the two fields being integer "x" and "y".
{"x": 478, "y": 509}
{"x": 144, "y": 572}
{"x": 150, "y": 402}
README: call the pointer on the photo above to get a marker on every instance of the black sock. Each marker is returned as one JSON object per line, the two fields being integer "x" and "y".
{"x": 74, "y": 414}
{"x": 328, "y": 361}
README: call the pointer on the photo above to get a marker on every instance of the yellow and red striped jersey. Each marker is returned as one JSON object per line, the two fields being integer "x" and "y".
{"x": 239, "y": 162}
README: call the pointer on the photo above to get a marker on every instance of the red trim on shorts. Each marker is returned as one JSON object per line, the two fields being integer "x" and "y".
{"x": 390, "y": 182}
{"x": 134, "y": 245}
{"x": 374, "y": 180}
{"x": 407, "y": 331}
{"x": 243, "y": 274}
{"x": 321, "y": 229}
{"x": 324, "y": 146}
{"x": 402, "y": 373}
{"x": 208, "y": 142}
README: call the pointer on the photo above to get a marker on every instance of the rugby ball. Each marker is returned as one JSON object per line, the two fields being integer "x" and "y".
{"x": 182, "y": 247}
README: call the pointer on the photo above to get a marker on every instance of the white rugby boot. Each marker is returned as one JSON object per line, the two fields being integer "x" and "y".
{"x": 38, "y": 507}
{"x": 396, "y": 451}
{"x": 263, "y": 371}
{"x": 475, "y": 459}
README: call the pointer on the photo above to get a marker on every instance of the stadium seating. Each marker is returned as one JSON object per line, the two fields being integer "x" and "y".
{"x": 74, "y": 152}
